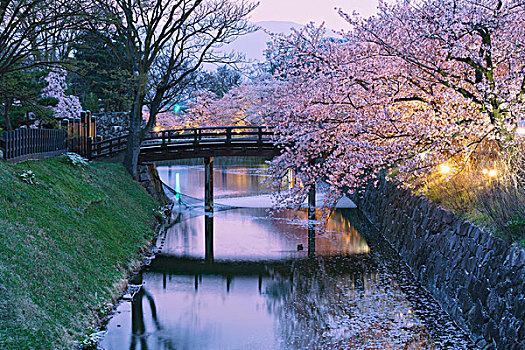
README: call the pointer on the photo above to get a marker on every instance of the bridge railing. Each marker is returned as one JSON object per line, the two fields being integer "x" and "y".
{"x": 203, "y": 135}
{"x": 107, "y": 147}
{"x": 191, "y": 137}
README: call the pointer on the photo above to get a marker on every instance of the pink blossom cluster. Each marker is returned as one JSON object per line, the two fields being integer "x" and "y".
{"x": 249, "y": 103}
{"x": 68, "y": 105}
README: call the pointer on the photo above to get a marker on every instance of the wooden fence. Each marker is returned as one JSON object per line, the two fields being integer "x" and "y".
{"x": 24, "y": 144}
{"x": 81, "y": 132}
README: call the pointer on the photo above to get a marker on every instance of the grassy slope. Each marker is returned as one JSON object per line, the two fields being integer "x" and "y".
{"x": 65, "y": 243}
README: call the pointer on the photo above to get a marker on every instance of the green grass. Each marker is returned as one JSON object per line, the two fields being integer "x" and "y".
{"x": 65, "y": 245}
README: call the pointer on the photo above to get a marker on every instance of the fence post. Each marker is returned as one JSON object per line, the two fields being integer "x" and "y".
{"x": 83, "y": 134}
{"x": 89, "y": 152}
{"x": 99, "y": 145}
{"x": 18, "y": 143}
{"x": 70, "y": 134}
{"x": 6, "y": 145}
{"x": 24, "y": 141}
{"x": 260, "y": 140}
{"x": 228, "y": 136}
{"x": 46, "y": 140}
{"x": 63, "y": 140}
{"x": 93, "y": 125}
{"x": 74, "y": 134}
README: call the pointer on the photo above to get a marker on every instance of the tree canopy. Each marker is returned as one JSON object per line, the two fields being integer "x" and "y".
{"x": 420, "y": 84}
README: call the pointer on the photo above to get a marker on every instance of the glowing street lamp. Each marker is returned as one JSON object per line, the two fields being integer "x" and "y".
{"x": 444, "y": 169}
{"x": 493, "y": 173}
{"x": 490, "y": 172}
{"x": 156, "y": 129}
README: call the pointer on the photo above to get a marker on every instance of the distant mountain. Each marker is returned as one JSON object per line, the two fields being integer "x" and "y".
{"x": 254, "y": 44}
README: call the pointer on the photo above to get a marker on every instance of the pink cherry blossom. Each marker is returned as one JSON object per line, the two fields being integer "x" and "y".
{"x": 68, "y": 105}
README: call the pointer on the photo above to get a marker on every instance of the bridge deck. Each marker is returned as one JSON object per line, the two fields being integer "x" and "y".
{"x": 196, "y": 143}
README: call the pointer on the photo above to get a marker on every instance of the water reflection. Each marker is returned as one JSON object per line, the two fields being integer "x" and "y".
{"x": 254, "y": 234}
{"x": 228, "y": 181}
{"x": 306, "y": 304}
{"x": 237, "y": 279}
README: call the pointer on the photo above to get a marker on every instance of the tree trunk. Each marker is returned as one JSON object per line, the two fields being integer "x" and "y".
{"x": 8, "y": 125}
{"x": 131, "y": 157}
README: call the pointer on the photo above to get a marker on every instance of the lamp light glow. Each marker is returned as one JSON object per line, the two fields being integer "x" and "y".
{"x": 444, "y": 169}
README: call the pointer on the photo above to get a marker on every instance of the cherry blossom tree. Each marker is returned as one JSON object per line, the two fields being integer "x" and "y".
{"x": 248, "y": 103}
{"x": 472, "y": 48}
{"x": 421, "y": 83}
{"x": 68, "y": 105}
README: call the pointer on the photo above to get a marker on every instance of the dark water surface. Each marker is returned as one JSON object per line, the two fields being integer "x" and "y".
{"x": 256, "y": 290}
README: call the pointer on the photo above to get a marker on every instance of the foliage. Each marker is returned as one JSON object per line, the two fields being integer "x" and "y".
{"x": 90, "y": 103}
{"x": 102, "y": 72}
{"x": 219, "y": 82}
{"x": 66, "y": 245}
{"x": 21, "y": 98}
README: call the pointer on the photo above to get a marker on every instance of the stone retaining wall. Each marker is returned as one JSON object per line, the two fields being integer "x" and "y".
{"x": 112, "y": 124}
{"x": 478, "y": 279}
{"x": 149, "y": 179}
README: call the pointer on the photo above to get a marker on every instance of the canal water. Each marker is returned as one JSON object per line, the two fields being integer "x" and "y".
{"x": 241, "y": 279}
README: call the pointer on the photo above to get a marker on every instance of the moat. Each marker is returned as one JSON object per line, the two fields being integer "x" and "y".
{"x": 259, "y": 289}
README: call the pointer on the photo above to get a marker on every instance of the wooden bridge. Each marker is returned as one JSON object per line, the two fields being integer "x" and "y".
{"x": 206, "y": 143}
{"x": 203, "y": 142}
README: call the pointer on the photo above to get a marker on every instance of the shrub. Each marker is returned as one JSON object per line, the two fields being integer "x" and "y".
{"x": 76, "y": 159}
{"x": 489, "y": 191}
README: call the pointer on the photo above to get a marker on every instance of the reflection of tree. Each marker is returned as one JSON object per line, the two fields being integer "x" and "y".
{"x": 138, "y": 328}
{"x": 319, "y": 308}
{"x": 336, "y": 236}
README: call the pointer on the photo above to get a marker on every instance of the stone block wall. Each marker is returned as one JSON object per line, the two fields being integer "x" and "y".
{"x": 478, "y": 279}
{"x": 112, "y": 124}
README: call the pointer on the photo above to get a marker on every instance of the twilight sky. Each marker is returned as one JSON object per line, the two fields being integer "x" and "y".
{"x": 305, "y": 11}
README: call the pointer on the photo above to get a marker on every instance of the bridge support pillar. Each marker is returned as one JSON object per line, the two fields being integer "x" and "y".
{"x": 208, "y": 237}
{"x": 208, "y": 208}
{"x": 208, "y": 184}
{"x": 311, "y": 222}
